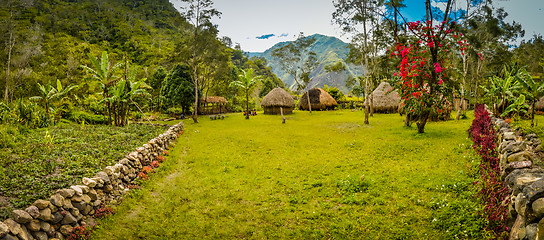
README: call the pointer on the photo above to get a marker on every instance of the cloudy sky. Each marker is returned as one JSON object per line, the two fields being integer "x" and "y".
{"x": 259, "y": 24}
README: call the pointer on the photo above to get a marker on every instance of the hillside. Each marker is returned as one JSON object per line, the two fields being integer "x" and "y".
{"x": 329, "y": 50}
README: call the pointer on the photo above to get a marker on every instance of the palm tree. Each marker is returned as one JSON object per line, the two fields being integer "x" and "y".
{"x": 48, "y": 93}
{"x": 246, "y": 81}
{"x": 533, "y": 90}
{"x": 121, "y": 94}
{"x": 103, "y": 72}
{"x": 501, "y": 89}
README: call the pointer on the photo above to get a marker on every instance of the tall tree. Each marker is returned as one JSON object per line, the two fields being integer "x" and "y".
{"x": 358, "y": 17}
{"x": 298, "y": 60}
{"x": 199, "y": 13}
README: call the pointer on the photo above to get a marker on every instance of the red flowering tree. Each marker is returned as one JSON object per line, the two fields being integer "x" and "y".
{"x": 423, "y": 68}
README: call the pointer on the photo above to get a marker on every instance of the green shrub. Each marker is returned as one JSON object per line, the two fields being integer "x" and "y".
{"x": 80, "y": 116}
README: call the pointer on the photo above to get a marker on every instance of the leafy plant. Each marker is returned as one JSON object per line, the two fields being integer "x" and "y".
{"x": 533, "y": 89}
{"x": 517, "y": 108}
{"x": 49, "y": 94}
{"x": 79, "y": 233}
{"x": 103, "y": 211}
{"x": 246, "y": 81}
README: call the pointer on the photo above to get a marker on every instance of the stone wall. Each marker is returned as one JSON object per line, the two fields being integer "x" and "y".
{"x": 525, "y": 181}
{"x": 55, "y": 217}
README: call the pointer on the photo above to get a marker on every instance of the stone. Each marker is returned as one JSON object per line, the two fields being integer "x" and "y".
{"x": 53, "y": 208}
{"x": 77, "y": 189}
{"x": 10, "y": 237}
{"x": 87, "y": 210}
{"x": 67, "y": 204}
{"x": 79, "y": 205}
{"x": 14, "y": 227}
{"x": 521, "y": 204}
{"x": 519, "y": 156}
{"x": 514, "y": 146}
{"x": 92, "y": 194}
{"x": 103, "y": 176}
{"x": 508, "y": 168}
{"x": 109, "y": 170}
{"x": 45, "y": 226}
{"x": 21, "y": 216}
{"x": 518, "y": 225}
{"x": 522, "y": 182}
{"x": 40, "y": 235}
{"x": 75, "y": 213}
{"x": 25, "y": 234}
{"x": 509, "y": 136}
{"x": 77, "y": 198}
{"x": 34, "y": 225}
{"x": 86, "y": 198}
{"x": 538, "y": 208}
{"x": 41, "y": 204}
{"x": 57, "y": 200}
{"x": 534, "y": 191}
{"x": 67, "y": 193}
{"x": 89, "y": 182}
{"x": 530, "y": 231}
{"x": 45, "y": 214}
{"x": 33, "y": 211}
{"x": 4, "y": 229}
{"x": 68, "y": 219}
{"x": 65, "y": 229}
{"x": 57, "y": 217}
{"x": 511, "y": 178}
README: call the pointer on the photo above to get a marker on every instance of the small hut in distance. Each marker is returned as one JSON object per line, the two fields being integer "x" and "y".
{"x": 386, "y": 100}
{"x": 277, "y": 99}
{"x": 319, "y": 99}
{"x": 213, "y": 105}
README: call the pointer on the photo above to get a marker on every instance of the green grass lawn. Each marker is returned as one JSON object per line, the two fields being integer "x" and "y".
{"x": 319, "y": 176}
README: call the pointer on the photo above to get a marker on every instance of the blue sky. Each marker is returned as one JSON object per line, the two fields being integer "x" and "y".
{"x": 259, "y": 24}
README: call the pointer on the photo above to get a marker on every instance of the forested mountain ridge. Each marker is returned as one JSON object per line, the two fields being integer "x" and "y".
{"x": 53, "y": 38}
{"x": 329, "y": 50}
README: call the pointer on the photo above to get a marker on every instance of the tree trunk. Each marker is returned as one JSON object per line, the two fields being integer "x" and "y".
{"x": 282, "y": 117}
{"x": 247, "y": 103}
{"x": 372, "y": 104}
{"x": 533, "y": 113}
{"x": 407, "y": 120}
{"x": 421, "y": 123}
{"x": 309, "y": 103}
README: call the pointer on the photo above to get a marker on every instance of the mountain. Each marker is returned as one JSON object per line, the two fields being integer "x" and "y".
{"x": 329, "y": 50}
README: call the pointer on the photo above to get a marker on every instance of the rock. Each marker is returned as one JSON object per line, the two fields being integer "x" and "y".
{"x": 522, "y": 182}
{"x": 514, "y": 146}
{"x": 10, "y": 237}
{"x": 41, "y": 204}
{"x": 518, "y": 225}
{"x": 519, "y": 156}
{"x": 510, "y": 180}
{"x": 76, "y": 214}
{"x": 34, "y": 225}
{"x": 53, "y": 208}
{"x": 45, "y": 226}
{"x": 4, "y": 229}
{"x": 67, "y": 204}
{"x": 530, "y": 231}
{"x": 509, "y": 136}
{"x": 86, "y": 198}
{"x": 68, "y": 219}
{"x": 87, "y": 210}
{"x": 515, "y": 165}
{"x": 21, "y": 216}
{"x": 531, "y": 135}
{"x": 57, "y": 217}
{"x": 57, "y": 200}
{"x": 77, "y": 198}
{"x": 538, "y": 208}
{"x": 78, "y": 190}
{"x": 92, "y": 194}
{"x": 79, "y": 205}
{"x": 25, "y": 235}
{"x": 534, "y": 191}
{"x": 45, "y": 214}
{"x": 66, "y": 193}
{"x": 109, "y": 170}
{"x": 33, "y": 211}
{"x": 14, "y": 227}
{"x": 65, "y": 229}
{"x": 103, "y": 176}
{"x": 521, "y": 204}
{"x": 89, "y": 182}
{"x": 40, "y": 235}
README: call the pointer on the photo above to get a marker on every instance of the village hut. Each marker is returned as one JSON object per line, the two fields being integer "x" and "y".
{"x": 212, "y": 105}
{"x": 385, "y": 100}
{"x": 319, "y": 99}
{"x": 277, "y": 99}
{"x": 539, "y": 105}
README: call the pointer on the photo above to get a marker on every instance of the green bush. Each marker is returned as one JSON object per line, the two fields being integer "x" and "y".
{"x": 80, "y": 116}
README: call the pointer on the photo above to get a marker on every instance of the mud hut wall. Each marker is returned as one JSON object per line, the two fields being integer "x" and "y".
{"x": 55, "y": 217}
{"x": 275, "y": 110}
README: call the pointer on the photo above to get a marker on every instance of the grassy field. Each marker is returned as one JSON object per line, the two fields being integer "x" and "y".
{"x": 319, "y": 176}
{"x": 34, "y": 162}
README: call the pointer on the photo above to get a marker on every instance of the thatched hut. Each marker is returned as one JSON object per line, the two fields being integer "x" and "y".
{"x": 212, "y": 105}
{"x": 277, "y": 99}
{"x": 319, "y": 99}
{"x": 539, "y": 106}
{"x": 385, "y": 100}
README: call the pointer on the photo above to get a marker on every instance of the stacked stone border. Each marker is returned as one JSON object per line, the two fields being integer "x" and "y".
{"x": 55, "y": 217}
{"x": 525, "y": 180}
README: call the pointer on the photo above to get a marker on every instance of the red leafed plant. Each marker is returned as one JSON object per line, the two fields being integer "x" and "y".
{"x": 494, "y": 192}
{"x": 79, "y": 233}
{"x": 165, "y": 153}
{"x": 160, "y": 159}
{"x": 155, "y": 164}
{"x": 103, "y": 211}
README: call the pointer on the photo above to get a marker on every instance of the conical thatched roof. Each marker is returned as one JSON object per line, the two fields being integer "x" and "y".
{"x": 385, "y": 100}
{"x": 320, "y": 100}
{"x": 539, "y": 106}
{"x": 278, "y": 98}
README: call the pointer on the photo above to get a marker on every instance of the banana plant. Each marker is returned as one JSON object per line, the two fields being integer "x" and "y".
{"x": 533, "y": 90}
{"x": 502, "y": 89}
{"x": 48, "y": 94}
{"x": 516, "y": 108}
{"x": 246, "y": 82}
